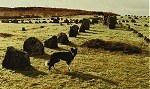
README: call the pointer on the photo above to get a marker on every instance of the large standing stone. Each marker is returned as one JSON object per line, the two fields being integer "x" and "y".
{"x": 112, "y": 22}
{"x": 85, "y": 25}
{"x": 16, "y": 59}
{"x": 105, "y": 19}
{"x": 73, "y": 31}
{"x": 62, "y": 38}
{"x": 51, "y": 42}
{"x": 33, "y": 46}
{"x": 95, "y": 20}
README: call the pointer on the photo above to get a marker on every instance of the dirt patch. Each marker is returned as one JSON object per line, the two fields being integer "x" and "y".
{"x": 112, "y": 46}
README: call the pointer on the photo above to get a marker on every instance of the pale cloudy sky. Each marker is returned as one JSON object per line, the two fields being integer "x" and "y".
{"x": 136, "y": 7}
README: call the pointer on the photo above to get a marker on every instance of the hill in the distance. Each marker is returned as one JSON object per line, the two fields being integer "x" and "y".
{"x": 31, "y": 12}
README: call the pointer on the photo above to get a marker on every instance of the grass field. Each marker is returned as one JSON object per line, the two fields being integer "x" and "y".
{"x": 92, "y": 68}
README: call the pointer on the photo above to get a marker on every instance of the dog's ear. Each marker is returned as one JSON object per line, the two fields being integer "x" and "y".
{"x": 76, "y": 49}
{"x": 71, "y": 49}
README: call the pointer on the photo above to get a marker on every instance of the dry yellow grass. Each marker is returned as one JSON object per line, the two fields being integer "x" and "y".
{"x": 92, "y": 68}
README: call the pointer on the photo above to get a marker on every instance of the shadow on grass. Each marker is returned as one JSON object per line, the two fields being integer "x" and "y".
{"x": 90, "y": 32}
{"x": 84, "y": 34}
{"x": 44, "y": 56}
{"x": 86, "y": 77}
{"x": 31, "y": 73}
{"x": 61, "y": 49}
{"x": 146, "y": 53}
{"x": 69, "y": 44}
{"x": 72, "y": 44}
{"x": 121, "y": 29}
{"x": 80, "y": 37}
{"x": 96, "y": 31}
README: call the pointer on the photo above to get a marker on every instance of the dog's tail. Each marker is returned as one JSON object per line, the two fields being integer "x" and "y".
{"x": 46, "y": 63}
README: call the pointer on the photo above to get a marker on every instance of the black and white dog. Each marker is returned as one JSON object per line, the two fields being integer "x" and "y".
{"x": 66, "y": 56}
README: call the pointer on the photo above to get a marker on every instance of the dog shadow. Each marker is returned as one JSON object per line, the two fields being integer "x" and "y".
{"x": 86, "y": 77}
{"x": 31, "y": 73}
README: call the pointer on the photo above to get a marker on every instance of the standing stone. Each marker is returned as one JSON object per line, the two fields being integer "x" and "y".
{"x": 112, "y": 22}
{"x": 51, "y": 43}
{"x": 66, "y": 21}
{"x": 58, "y": 18}
{"x": 33, "y": 46}
{"x": 76, "y": 27}
{"x": 14, "y": 21}
{"x": 44, "y": 22}
{"x": 85, "y": 25}
{"x": 55, "y": 21}
{"x": 95, "y": 20}
{"x": 105, "y": 19}
{"x": 16, "y": 59}
{"x": 36, "y": 22}
{"x": 23, "y": 29}
{"x": 5, "y": 21}
{"x": 80, "y": 21}
{"x": 62, "y": 38}
{"x": 76, "y": 21}
{"x": 146, "y": 25}
{"x": 147, "y": 39}
{"x": 73, "y": 31}
{"x": 30, "y": 21}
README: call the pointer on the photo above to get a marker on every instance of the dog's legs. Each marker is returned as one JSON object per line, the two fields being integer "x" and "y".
{"x": 54, "y": 67}
{"x": 52, "y": 63}
{"x": 68, "y": 63}
{"x": 49, "y": 68}
{"x": 69, "y": 68}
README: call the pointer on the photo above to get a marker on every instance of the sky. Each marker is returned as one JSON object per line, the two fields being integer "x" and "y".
{"x": 122, "y": 7}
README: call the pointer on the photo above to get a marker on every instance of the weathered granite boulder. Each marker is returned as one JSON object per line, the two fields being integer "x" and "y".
{"x": 112, "y": 20}
{"x": 85, "y": 25}
{"x": 62, "y": 38}
{"x": 51, "y": 43}
{"x": 16, "y": 59}
{"x": 33, "y": 46}
{"x": 73, "y": 31}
